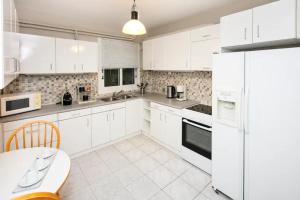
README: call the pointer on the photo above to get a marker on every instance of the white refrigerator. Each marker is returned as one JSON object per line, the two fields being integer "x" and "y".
{"x": 256, "y": 124}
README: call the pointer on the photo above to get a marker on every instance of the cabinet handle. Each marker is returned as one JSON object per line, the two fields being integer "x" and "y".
{"x": 51, "y": 66}
{"x": 82, "y": 67}
{"x": 205, "y": 36}
{"x": 113, "y": 115}
{"x": 107, "y": 117}
{"x": 160, "y": 116}
{"x": 245, "y": 33}
{"x": 87, "y": 122}
{"x": 258, "y": 31}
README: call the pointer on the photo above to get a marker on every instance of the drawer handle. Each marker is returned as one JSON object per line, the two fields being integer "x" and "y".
{"x": 205, "y": 36}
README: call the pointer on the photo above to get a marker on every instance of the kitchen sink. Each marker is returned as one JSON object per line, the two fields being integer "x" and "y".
{"x": 118, "y": 98}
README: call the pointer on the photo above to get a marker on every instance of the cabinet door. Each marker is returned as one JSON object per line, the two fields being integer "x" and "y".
{"x": 147, "y": 55}
{"x": 38, "y": 54}
{"x": 117, "y": 124}
{"x": 177, "y": 51}
{"x": 274, "y": 21}
{"x": 158, "y": 53}
{"x": 88, "y": 57}
{"x": 202, "y": 54}
{"x": 236, "y": 29}
{"x": 75, "y": 134}
{"x": 173, "y": 131}
{"x": 133, "y": 116}
{"x": 100, "y": 128}
{"x": 66, "y": 56}
{"x": 156, "y": 118}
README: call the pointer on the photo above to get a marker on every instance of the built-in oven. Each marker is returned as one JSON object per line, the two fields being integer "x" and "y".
{"x": 197, "y": 137}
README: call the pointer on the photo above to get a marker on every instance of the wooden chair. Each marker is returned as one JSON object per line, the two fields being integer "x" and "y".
{"x": 37, "y": 132}
{"x": 38, "y": 196}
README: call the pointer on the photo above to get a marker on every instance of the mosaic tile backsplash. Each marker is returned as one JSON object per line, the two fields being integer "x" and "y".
{"x": 198, "y": 84}
{"x": 52, "y": 87}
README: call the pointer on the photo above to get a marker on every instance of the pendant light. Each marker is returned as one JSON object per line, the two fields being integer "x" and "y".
{"x": 134, "y": 26}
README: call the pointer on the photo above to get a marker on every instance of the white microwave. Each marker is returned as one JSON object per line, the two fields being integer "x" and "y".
{"x": 18, "y": 103}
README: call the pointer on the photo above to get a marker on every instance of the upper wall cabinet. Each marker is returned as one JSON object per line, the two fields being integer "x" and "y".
{"x": 118, "y": 54}
{"x": 236, "y": 29}
{"x": 73, "y": 56}
{"x": 204, "y": 43}
{"x": 9, "y": 40}
{"x": 147, "y": 55}
{"x": 274, "y": 21}
{"x": 37, "y": 54}
{"x": 184, "y": 51}
{"x": 176, "y": 53}
{"x": 268, "y": 25}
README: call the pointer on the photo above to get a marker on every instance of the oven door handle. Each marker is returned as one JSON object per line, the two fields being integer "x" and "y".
{"x": 196, "y": 125}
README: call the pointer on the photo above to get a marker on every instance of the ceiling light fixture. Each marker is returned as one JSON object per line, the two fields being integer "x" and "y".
{"x": 134, "y": 26}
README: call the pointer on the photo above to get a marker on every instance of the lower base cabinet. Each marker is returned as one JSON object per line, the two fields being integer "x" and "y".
{"x": 75, "y": 134}
{"x": 100, "y": 128}
{"x": 117, "y": 124}
{"x": 166, "y": 126}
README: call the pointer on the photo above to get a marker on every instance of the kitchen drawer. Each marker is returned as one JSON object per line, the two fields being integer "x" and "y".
{"x": 166, "y": 109}
{"x": 74, "y": 114}
{"x": 9, "y": 126}
{"x": 205, "y": 33}
{"x": 101, "y": 109}
{"x": 117, "y": 106}
{"x": 7, "y": 134}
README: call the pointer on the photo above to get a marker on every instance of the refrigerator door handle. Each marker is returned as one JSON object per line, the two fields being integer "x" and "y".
{"x": 241, "y": 111}
{"x": 246, "y": 113}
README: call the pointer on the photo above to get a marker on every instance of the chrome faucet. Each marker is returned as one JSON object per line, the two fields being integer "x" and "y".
{"x": 117, "y": 94}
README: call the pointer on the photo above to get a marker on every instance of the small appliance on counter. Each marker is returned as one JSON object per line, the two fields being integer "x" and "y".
{"x": 171, "y": 92}
{"x": 181, "y": 93}
{"x": 84, "y": 93}
{"x": 67, "y": 98}
{"x": 20, "y": 102}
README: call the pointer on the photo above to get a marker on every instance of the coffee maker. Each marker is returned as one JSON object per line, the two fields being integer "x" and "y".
{"x": 181, "y": 93}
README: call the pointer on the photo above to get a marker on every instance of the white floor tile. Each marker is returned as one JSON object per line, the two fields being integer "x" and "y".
{"x": 161, "y": 196}
{"x": 74, "y": 183}
{"x": 143, "y": 188}
{"x": 124, "y": 146}
{"x": 123, "y": 194}
{"x": 162, "y": 176}
{"x": 117, "y": 163}
{"x": 196, "y": 178}
{"x": 150, "y": 147}
{"x": 212, "y": 195}
{"x": 90, "y": 158}
{"x": 178, "y": 166}
{"x": 107, "y": 153}
{"x": 134, "y": 155}
{"x": 85, "y": 194}
{"x": 163, "y": 155}
{"x": 180, "y": 190}
{"x": 201, "y": 197}
{"x": 147, "y": 164}
{"x": 94, "y": 172}
{"x": 137, "y": 140}
{"x": 129, "y": 174}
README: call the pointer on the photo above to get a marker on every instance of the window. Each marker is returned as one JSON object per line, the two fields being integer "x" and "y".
{"x": 111, "y": 77}
{"x": 114, "y": 80}
{"x": 128, "y": 76}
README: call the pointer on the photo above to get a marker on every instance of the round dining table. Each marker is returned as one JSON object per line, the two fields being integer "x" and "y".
{"x": 14, "y": 164}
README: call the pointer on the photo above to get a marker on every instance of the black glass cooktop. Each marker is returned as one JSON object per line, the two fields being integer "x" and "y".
{"x": 202, "y": 109}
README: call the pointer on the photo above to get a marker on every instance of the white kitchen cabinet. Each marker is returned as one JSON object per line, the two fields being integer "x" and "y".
{"x": 202, "y": 54}
{"x": 88, "y": 54}
{"x": 176, "y": 51}
{"x": 37, "y": 54}
{"x": 9, "y": 59}
{"x": 147, "y": 55}
{"x": 133, "y": 116}
{"x": 274, "y": 21}
{"x": 67, "y": 56}
{"x": 158, "y": 45}
{"x": 75, "y": 134}
{"x": 166, "y": 125}
{"x": 236, "y": 29}
{"x": 100, "y": 128}
{"x": 73, "y": 56}
{"x": 117, "y": 123}
{"x": 205, "y": 33}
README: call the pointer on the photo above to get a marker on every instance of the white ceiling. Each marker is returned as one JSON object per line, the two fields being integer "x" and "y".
{"x": 108, "y": 16}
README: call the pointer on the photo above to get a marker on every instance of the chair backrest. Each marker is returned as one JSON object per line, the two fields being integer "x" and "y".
{"x": 34, "y": 134}
{"x": 38, "y": 196}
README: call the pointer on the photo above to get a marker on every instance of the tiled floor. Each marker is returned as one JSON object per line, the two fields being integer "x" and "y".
{"x": 136, "y": 169}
